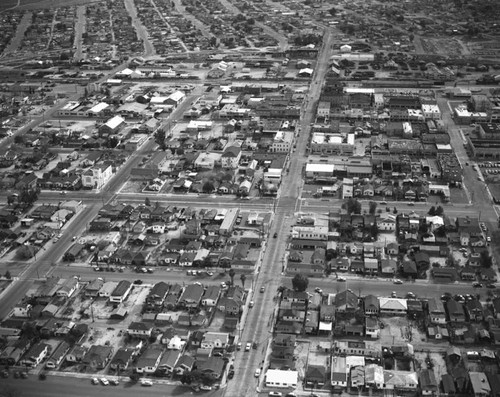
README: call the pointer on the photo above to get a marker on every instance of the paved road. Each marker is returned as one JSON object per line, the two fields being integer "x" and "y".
{"x": 142, "y": 33}
{"x": 56, "y": 386}
{"x": 79, "y": 30}
{"x": 259, "y": 321}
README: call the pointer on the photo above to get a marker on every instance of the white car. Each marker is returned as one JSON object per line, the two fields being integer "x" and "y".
{"x": 205, "y": 387}
{"x": 146, "y": 382}
{"x": 104, "y": 381}
{"x": 95, "y": 381}
{"x": 397, "y": 281}
{"x": 275, "y": 394}
{"x": 257, "y": 372}
{"x": 341, "y": 279}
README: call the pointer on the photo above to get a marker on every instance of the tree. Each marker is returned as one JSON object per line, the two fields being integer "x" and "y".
{"x": 432, "y": 211}
{"x": 243, "y": 278}
{"x": 147, "y": 202}
{"x": 352, "y": 206}
{"x": 485, "y": 259}
{"x": 231, "y": 275}
{"x": 395, "y": 210}
{"x": 208, "y": 187}
{"x": 134, "y": 377}
{"x": 7, "y": 275}
{"x": 332, "y": 11}
{"x": 26, "y": 251}
{"x": 439, "y": 211}
{"x": 373, "y": 207}
{"x": 160, "y": 136}
{"x": 300, "y": 282}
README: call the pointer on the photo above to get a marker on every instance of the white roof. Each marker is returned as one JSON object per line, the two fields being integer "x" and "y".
{"x": 282, "y": 377}
{"x": 99, "y": 107}
{"x": 392, "y": 304}
{"x": 177, "y": 96}
{"x": 306, "y": 70}
{"x": 126, "y": 72}
{"x": 311, "y": 167}
{"x": 115, "y": 122}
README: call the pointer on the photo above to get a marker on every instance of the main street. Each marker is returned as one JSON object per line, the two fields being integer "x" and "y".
{"x": 258, "y": 326}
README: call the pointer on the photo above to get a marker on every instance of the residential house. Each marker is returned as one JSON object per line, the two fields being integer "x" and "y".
{"x": 184, "y": 363}
{"x": 455, "y": 311}
{"x": 57, "y": 357}
{"x": 98, "y": 356}
{"x": 315, "y": 377}
{"x": 437, "y": 313}
{"x": 371, "y": 305}
{"x": 338, "y": 373}
{"x": 191, "y": 296}
{"x": 122, "y": 359}
{"x": 149, "y": 360}
{"x": 479, "y": 384}
{"x": 427, "y": 382}
{"x": 346, "y": 301}
{"x": 139, "y": 329}
{"x": 121, "y": 292}
{"x": 213, "y": 367}
{"x": 168, "y": 361}
{"x": 211, "y": 296}
{"x": 393, "y": 306}
{"x": 35, "y": 355}
{"x": 219, "y": 340}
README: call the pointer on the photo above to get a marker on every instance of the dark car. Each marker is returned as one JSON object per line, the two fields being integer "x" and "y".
{"x": 275, "y": 235}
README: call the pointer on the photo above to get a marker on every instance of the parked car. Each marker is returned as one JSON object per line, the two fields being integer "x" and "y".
{"x": 251, "y": 304}
{"x": 341, "y": 279}
{"x": 238, "y": 346}
{"x": 275, "y": 394}
{"x": 114, "y": 382}
{"x": 275, "y": 235}
{"x": 491, "y": 286}
{"x": 104, "y": 381}
{"x": 205, "y": 387}
{"x": 397, "y": 281}
{"x": 257, "y": 372}
{"x": 248, "y": 346}
{"x": 477, "y": 285}
{"x": 318, "y": 290}
{"x": 262, "y": 289}
{"x": 95, "y": 381}
{"x": 146, "y": 382}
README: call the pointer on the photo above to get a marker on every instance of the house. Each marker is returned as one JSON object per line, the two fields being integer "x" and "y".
{"x": 447, "y": 386}
{"x": 149, "y": 360}
{"x": 121, "y": 292}
{"x": 474, "y": 310}
{"x": 35, "y": 355}
{"x": 338, "y": 373}
{"x": 372, "y": 327}
{"x": 157, "y": 294}
{"x": 68, "y": 288}
{"x": 191, "y": 296}
{"x": 211, "y": 296}
{"x": 437, "y": 313}
{"x": 139, "y": 329}
{"x": 315, "y": 377}
{"x": 346, "y": 301}
{"x": 213, "y": 367}
{"x": 215, "y": 340}
{"x": 98, "y": 356}
{"x": 168, "y": 361}
{"x": 392, "y": 306}
{"x": 122, "y": 359}
{"x": 427, "y": 382}
{"x": 479, "y": 384}
{"x": 371, "y": 305}
{"x": 57, "y": 357}
{"x": 94, "y": 287}
{"x": 455, "y": 311}
{"x": 76, "y": 354}
{"x": 184, "y": 363}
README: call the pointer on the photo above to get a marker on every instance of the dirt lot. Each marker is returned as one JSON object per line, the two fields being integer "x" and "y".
{"x": 400, "y": 329}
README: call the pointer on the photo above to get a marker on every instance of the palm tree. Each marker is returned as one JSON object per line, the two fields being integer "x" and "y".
{"x": 231, "y": 275}
{"x": 243, "y": 278}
